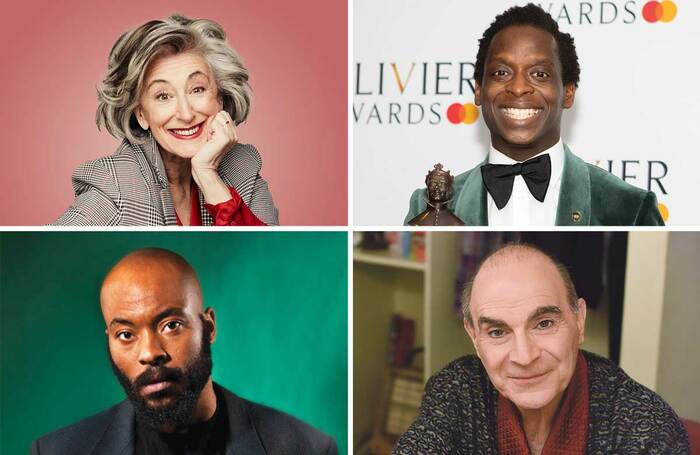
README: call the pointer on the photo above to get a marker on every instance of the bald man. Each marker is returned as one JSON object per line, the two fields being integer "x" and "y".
{"x": 530, "y": 389}
{"x": 159, "y": 337}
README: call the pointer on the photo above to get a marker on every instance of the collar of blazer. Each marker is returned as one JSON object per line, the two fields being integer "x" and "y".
{"x": 150, "y": 151}
{"x": 573, "y": 208}
{"x": 118, "y": 438}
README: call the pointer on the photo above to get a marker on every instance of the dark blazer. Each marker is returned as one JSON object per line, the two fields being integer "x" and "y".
{"x": 253, "y": 429}
{"x": 130, "y": 188}
{"x": 589, "y": 196}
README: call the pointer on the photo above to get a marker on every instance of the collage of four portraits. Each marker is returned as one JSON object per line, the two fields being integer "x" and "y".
{"x": 362, "y": 227}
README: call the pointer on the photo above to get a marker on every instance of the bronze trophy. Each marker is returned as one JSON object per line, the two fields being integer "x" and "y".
{"x": 439, "y": 183}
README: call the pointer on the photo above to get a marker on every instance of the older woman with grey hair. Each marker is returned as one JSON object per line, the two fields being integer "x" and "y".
{"x": 174, "y": 91}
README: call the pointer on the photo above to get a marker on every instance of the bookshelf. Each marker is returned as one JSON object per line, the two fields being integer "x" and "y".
{"x": 424, "y": 291}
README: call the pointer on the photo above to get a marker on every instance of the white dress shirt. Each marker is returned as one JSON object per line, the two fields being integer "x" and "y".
{"x": 522, "y": 208}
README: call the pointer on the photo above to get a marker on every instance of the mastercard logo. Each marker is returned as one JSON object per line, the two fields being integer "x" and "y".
{"x": 659, "y": 11}
{"x": 462, "y": 113}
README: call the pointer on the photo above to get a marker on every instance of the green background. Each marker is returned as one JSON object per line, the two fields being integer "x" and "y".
{"x": 280, "y": 300}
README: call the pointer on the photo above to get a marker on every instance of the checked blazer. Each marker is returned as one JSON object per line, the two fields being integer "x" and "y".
{"x": 130, "y": 188}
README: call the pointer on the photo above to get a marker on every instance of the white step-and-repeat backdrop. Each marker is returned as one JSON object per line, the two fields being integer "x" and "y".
{"x": 636, "y": 113}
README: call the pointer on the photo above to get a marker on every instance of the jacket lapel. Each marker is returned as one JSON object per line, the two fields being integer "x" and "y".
{"x": 168, "y": 207}
{"x": 118, "y": 438}
{"x": 574, "y": 206}
{"x": 243, "y": 437}
{"x": 150, "y": 151}
{"x": 470, "y": 204}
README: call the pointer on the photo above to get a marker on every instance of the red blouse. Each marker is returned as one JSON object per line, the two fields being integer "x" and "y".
{"x": 233, "y": 212}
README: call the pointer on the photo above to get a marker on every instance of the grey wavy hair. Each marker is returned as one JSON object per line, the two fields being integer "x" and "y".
{"x": 119, "y": 93}
{"x": 508, "y": 251}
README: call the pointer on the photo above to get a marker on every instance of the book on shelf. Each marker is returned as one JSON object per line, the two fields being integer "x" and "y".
{"x": 408, "y": 245}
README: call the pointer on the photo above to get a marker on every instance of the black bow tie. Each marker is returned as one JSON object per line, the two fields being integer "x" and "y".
{"x": 498, "y": 178}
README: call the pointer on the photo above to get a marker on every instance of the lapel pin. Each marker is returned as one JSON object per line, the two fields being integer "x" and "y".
{"x": 576, "y": 216}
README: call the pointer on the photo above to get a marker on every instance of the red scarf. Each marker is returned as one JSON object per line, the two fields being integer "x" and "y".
{"x": 569, "y": 432}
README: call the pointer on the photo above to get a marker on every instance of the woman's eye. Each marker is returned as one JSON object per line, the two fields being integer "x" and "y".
{"x": 162, "y": 96}
{"x": 547, "y": 323}
{"x": 198, "y": 90}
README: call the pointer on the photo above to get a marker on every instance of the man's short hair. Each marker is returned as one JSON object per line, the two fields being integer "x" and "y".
{"x": 534, "y": 16}
{"x": 510, "y": 249}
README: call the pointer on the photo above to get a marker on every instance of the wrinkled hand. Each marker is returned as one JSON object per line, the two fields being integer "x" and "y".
{"x": 221, "y": 136}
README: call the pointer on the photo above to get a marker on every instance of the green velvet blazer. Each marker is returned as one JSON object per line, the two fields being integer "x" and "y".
{"x": 589, "y": 196}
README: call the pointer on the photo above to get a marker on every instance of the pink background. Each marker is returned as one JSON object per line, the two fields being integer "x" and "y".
{"x": 55, "y": 54}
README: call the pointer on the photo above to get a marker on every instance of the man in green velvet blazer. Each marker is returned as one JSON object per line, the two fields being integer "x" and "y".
{"x": 526, "y": 74}
{"x": 590, "y": 196}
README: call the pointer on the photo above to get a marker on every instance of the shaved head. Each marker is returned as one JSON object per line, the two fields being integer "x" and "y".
{"x": 155, "y": 269}
{"x": 517, "y": 252}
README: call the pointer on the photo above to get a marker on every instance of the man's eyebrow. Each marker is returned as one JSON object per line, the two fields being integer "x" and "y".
{"x": 172, "y": 311}
{"x": 502, "y": 59}
{"x": 544, "y": 62}
{"x": 196, "y": 73}
{"x": 121, "y": 321}
{"x": 483, "y": 320}
{"x": 541, "y": 311}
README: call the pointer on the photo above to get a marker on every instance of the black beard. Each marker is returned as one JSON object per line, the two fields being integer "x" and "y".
{"x": 185, "y": 392}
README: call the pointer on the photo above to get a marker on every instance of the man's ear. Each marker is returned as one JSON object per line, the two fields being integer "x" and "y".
{"x": 477, "y": 94}
{"x": 210, "y": 319}
{"x": 569, "y": 94}
{"x": 581, "y": 320}
{"x": 141, "y": 118}
{"x": 471, "y": 331}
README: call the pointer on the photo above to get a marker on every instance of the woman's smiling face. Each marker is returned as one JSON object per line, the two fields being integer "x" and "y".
{"x": 179, "y": 96}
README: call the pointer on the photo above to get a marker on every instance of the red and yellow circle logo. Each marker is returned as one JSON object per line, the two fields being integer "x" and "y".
{"x": 462, "y": 113}
{"x": 659, "y": 11}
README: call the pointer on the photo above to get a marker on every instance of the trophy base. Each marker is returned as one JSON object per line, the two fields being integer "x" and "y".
{"x": 435, "y": 217}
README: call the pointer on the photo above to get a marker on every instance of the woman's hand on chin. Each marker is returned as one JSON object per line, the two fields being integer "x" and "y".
{"x": 221, "y": 136}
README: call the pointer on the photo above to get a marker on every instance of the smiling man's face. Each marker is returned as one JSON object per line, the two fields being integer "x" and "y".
{"x": 522, "y": 95}
{"x": 525, "y": 330}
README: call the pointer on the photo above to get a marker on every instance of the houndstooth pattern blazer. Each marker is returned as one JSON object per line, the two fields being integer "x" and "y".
{"x": 130, "y": 188}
